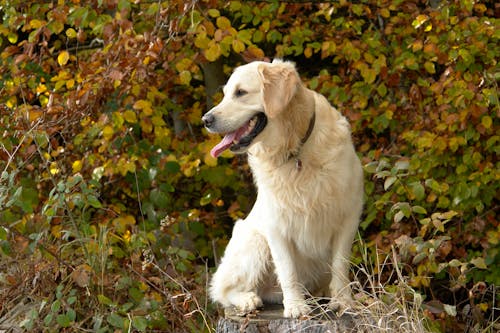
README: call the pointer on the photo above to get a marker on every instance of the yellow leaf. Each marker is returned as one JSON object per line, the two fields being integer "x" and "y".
{"x": 238, "y": 46}
{"x": 385, "y": 13}
{"x": 54, "y": 170}
{"x": 185, "y": 77}
{"x": 141, "y": 104}
{"x": 417, "y": 45}
{"x": 213, "y": 52}
{"x": 35, "y": 114}
{"x": 486, "y": 122}
{"x": 70, "y": 83}
{"x": 421, "y": 19}
{"x": 223, "y": 22}
{"x": 308, "y": 52}
{"x": 11, "y": 102}
{"x": 158, "y": 121}
{"x": 127, "y": 236}
{"x": 41, "y": 88}
{"x": 35, "y": 24}
{"x": 56, "y": 231}
{"x": 483, "y": 306}
{"x": 71, "y": 33}
{"x": 107, "y": 132}
{"x": 209, "y": 160}
{"x": 77, "y": 166}
{"x": 183, "y": 64}
{"x": 146, "y": 125}
{"x": 43, "y": 100}
{"x": 201, "y": 41}
{"x": 62, "y": 58}
{"x": 12, "y": 37}
{"x": 144, "y": 105}
{"x": 130, "y": 116}
{"x": 429, "y": 67}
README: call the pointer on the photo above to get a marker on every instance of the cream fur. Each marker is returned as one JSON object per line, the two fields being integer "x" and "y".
{"x": 297, "y": 238}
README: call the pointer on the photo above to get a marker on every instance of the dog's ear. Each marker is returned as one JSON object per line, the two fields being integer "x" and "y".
{"x": 279, "y": 84}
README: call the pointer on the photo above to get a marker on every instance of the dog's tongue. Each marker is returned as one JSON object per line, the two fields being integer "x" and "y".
{"x": 227, "y": 141}
{"x": 224, "y": 144}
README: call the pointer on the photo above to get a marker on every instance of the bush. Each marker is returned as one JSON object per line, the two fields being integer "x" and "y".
{"x": 111, "y": 203}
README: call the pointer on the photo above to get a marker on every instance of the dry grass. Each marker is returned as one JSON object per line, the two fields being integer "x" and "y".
{"x": 377, "y": 307}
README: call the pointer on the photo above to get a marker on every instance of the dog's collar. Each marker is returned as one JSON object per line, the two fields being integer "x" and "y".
{"x": 309, "y": 129}
{"x": 298, "y": 161}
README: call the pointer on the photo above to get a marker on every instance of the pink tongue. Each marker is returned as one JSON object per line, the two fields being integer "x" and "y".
{"x": 224, "y": 144}
{"x": 227, "y": 141}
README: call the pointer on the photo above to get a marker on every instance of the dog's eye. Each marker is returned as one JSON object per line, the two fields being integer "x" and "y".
{"x": 240, "y": 92}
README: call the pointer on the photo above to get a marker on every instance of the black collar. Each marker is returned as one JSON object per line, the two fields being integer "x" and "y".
{"x": 309, "y": 129}
{"x": 298, "y": 162}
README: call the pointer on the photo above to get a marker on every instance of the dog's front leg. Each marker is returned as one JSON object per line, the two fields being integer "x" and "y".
{"x": 340, "y": 288}
{"x": 293, "y": 297}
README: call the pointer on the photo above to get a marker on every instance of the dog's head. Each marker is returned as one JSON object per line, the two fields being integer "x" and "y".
{"x": 254, "y": 94}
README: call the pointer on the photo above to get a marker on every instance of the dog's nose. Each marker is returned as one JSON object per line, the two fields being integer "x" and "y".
{"x": 208, "y": 120}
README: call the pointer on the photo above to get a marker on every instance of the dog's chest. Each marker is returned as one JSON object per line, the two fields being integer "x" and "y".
{"x": 303, "y": 210}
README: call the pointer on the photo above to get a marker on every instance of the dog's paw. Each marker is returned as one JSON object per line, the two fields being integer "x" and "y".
{"x": 296, "y": 309}
{"x": 340, "y": 305}
{"x": 247, "y": 302}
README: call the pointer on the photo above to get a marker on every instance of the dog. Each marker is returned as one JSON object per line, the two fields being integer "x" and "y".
{"x": 297, "y": 239}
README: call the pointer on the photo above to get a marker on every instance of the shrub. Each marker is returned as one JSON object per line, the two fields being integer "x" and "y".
{"x": 108, "y": 194}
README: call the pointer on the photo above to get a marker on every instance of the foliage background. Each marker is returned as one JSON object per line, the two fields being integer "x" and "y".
{"x": 113, "y": 213}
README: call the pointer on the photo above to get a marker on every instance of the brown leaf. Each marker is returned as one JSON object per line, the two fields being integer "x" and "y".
{"x": 81, "y": 275}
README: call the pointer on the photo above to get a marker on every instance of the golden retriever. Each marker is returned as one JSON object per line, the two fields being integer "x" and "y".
{"x": 297, "y": 239}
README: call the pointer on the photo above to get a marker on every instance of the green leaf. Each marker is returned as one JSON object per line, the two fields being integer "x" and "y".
{"x": 159, "y": 198}
{"x": 206, "y": 199}
{"x": 140, "y": 323}
{"x": 419, "y": 210}
{"x": 48, "y": 319}
{"x": 71, "y": 314}
{"x": 104, "y": 300}
{"x": 451, "y": 310}
{"x": 3, "y": 233}
{"x": 71, "y": 300}
{"x": 455, "y": 263}
{"x": 136, "y": 294}
{"x": 402, "y": 165}
{"x": 124, "y": 5}
{"x": 116, "y": 320}
{"x": 172, "y": 167}
{"x": 56, "y": 305}
{"x": 389, "y": 181}
{"x": 63, "y": 320}
{"x": 382, "y": 89}
{"x": 479, "y": 263}
{"x": 429, "y": 67}
{"x": 213, "y": 12}
{"x": 419, "y": 257}
{"x": 398, "y": 216}
{"x": 93, "y": 201}
{"x": 371, "y": 167}
{"x": 417, "y": 190}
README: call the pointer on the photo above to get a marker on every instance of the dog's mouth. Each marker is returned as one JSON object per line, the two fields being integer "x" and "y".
{"x": 240, "y": 139}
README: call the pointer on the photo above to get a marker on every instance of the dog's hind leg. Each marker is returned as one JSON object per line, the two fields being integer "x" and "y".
{"x": 242, "y": 269}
